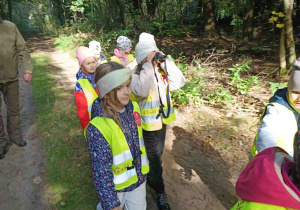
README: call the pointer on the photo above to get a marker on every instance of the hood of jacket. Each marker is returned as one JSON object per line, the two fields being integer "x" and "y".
{"x": 280, "y": 97}
{"x": 262, "y": 180}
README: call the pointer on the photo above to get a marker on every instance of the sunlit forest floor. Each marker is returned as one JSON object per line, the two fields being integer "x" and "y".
{"x": 209, "y": 144}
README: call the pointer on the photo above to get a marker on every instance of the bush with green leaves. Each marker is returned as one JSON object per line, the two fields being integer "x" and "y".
{"x": 275, "y": 86}
{"x": 220, "y": 96}
{"x": 243, "y": 85}
{"x": 190, "y": 92}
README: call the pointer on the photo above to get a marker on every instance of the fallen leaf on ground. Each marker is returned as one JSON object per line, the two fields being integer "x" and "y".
{"x": 37, "y": 180}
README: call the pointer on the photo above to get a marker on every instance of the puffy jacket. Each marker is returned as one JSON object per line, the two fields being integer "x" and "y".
{"x": 278, "y": 126}
{"x": 264, "y": 184}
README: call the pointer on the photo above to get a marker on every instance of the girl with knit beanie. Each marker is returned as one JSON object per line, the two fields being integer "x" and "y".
{"x": 85, "y": 89}
{"x": 280, "y": 120}
{"x": 122, "y": 53}
{"x": 271, "y": 180}
{"x": 156, "y": 77}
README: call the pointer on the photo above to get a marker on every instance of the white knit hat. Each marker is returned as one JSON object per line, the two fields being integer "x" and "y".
{"x": 145, "y": 46}
{"x": 95, "y": 46}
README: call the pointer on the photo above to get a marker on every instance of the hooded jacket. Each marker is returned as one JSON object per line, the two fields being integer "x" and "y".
{"x": 265, "y": 183}
{"x": 274, "y": 126}
{"x": 81, "y": 100}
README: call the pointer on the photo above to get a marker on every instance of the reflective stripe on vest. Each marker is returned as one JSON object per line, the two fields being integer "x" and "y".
{"x": 286, "y": 140}
{"x": 89, "y": 92}
{"x": 123, "y": 168}
{"x": 248, "y": 205}
{"x": 151, "y": 120}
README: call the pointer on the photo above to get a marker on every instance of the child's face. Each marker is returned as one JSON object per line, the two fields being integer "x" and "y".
{"x": 294, "y": 98}
{"x": 89, "y": 65}
{"x": 124, "y": 92}
{"x": 97, "y": 55}
{"x": 127, "y": 51}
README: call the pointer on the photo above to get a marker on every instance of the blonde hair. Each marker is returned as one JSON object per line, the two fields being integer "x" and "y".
{"x": 100, "y": 72}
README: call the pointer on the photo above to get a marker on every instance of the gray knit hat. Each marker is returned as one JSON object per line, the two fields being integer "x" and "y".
{"x": 123, "y": 43}
{"x": 294, "y": 82}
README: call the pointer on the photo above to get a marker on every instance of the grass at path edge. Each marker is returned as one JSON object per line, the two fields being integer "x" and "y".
{"x": 69, "y": 174}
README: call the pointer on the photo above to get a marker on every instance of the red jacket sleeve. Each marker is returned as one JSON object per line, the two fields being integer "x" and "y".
{"x": 82, "y": 109}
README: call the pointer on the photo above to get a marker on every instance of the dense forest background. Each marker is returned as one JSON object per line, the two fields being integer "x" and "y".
{"x": 234, "y": 55}
{"x": 204, "y": 34}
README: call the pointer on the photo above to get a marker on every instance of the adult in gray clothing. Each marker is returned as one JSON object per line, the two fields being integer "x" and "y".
{"x": 156, "y": 77}
{"x": 12, "y": 45}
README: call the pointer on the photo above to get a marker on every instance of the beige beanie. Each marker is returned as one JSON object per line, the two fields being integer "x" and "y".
{"x": 145, "y": 46}
{"x": 294, "y": 82}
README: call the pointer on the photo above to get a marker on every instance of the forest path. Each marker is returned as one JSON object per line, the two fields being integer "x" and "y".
{"x": 195, "y": 174}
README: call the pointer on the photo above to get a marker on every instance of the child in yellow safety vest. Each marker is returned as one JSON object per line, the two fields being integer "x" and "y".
{"x": 85, "y": 89}
{"x": 271, "y": 180}
{"x": 122, "y": 53}
{"x": 280, "y": 120}
{"x": 115, "y": 140}
{"x": 156, "y": 77}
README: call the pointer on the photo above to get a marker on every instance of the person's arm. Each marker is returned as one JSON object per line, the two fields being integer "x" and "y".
{"x": 141, "y": 84}
{"x": 24, "y": 56}
{"x": 101, "y": 158}
{"x": 269, "y": 130}
{"x": 176, "y": 77}
{"x": 132, "y": 65}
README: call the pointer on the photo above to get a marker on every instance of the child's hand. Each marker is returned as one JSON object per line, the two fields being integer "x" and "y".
{"x": 150, "y": 56}
{"x": 27, "y": 77}
{"x": 117, "y": 208}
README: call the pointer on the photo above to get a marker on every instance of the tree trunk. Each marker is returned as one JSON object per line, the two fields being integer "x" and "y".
{"x": 136, "y": 5}
{"x": 121, "y": 11}
{"x": 10, "y": 9}
{"x": 209, "y": 16}
{"x": 2, "y": 11}
{"x": 282, "y": 54}
{"x": 288, "y": 6}
{"x": 151, "y": 8}
{"x": 248, "y": 21}
{"x": 200, "y": 10}
{"x": 298, "y": 10}
{"x": 75, "y": 16}
{"x": 60, "y": 12}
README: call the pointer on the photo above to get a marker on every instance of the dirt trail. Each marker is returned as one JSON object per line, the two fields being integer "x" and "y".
{"x": 22, "y": 171}
{"x": 195, "y": 174}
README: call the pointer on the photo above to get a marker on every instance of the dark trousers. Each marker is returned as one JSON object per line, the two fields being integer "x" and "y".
{"x": 10, "y": 93}
{"x": 154, "y": 143}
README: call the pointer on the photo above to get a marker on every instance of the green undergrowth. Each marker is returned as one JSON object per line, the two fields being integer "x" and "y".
{"x": 69, "y": 174}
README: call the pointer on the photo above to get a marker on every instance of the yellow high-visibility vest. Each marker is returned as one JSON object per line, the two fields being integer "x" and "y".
{"x": 151, "y": 120}
{"x": 123, "y": 168}
{"x": 117, "y": 60}
{"x": 286, "y": 140}
{"x": 249, "y": 205}
{"x": 89, "y": 92}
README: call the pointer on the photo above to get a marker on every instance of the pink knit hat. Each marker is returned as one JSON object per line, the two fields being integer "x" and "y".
{"x": 83, "y": 53}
